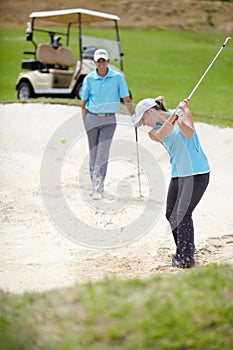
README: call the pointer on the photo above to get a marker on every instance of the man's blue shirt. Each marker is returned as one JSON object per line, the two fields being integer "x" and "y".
{"x": 103, "y": 94}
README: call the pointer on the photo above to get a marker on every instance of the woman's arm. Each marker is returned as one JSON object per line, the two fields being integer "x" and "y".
{"x": 160, "y": 134}
{"x": 186, "y": 125}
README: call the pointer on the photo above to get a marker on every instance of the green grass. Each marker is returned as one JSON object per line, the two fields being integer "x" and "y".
{"x": 189, "y": 310}
{"x": 171, "y": 63}
{"x": 156, "y": 63}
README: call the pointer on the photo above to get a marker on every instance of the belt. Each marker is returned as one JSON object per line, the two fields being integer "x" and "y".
{"x": 103, "y": 114}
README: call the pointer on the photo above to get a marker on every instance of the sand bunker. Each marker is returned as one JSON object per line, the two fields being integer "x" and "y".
{"x": 53, "y": 234}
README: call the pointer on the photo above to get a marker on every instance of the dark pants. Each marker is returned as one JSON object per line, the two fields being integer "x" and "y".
{"x": 184, "y": 194}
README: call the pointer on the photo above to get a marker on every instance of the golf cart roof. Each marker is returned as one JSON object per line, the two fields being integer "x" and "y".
{"x": 71, "y": 16}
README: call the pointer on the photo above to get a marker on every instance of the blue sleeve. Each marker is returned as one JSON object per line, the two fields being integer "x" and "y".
{"x": 85, "y": 90}
{"x": 124, "y": 91}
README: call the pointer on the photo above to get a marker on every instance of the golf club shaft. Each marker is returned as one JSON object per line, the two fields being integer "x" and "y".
{"x": 203, "y": 76}
{"x": 139, "y": 177}
{"x": 212, "y": 62}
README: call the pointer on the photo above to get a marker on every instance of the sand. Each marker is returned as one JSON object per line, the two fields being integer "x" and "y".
{"x": 53, "y": 234}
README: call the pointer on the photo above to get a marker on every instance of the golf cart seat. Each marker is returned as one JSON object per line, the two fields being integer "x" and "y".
{"x": 65, "y": 57}
{"x": 60, "y": 58}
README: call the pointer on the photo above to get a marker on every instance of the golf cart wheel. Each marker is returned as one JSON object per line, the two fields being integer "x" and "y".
{"x": 78, "y": 91}
{"x": 25, "y": 91}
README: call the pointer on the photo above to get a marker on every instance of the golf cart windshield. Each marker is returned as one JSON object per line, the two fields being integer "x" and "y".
{"x": 90, "y": 44}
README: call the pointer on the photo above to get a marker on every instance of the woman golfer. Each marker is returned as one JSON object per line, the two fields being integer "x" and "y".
{"x": 190, "y": 169}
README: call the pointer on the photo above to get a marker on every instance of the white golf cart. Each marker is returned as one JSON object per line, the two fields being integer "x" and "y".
{"x": 54, "y": 71}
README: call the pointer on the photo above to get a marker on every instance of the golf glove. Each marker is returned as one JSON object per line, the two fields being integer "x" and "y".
{"x": 180, "y": 112}
{"x": 182, "y": 105}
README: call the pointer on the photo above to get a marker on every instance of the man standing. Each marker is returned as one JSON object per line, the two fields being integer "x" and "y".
{"x": 102, "y": 92}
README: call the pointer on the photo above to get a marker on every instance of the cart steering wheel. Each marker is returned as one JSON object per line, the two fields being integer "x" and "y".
{"x": 88, "y": 52}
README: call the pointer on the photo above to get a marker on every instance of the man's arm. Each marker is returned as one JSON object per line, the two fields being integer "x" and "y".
{"x": 129, "y": 105}
{"x": 84, "y": 111}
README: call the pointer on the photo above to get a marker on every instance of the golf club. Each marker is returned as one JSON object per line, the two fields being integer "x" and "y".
{"x": 139, "y": 177}
{"x": 203, "y": 76}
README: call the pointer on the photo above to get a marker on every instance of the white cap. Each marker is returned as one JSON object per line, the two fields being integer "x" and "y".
{"x": 101, "y": 53}
{"x": 141, "y": 108}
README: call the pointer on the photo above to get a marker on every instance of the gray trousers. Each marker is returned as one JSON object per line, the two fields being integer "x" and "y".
{"x": 100, "y": 131}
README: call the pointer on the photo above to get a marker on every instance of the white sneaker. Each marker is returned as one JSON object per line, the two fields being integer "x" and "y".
{"x": 97, "y": 195}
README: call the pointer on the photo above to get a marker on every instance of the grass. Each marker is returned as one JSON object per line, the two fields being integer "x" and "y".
{"x": 189, "y": 310}
{"x": 156, "y": 63}
{"x": 171, "y": 65}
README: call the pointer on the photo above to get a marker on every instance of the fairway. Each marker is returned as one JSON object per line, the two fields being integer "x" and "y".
{"x": 156, "y": 63}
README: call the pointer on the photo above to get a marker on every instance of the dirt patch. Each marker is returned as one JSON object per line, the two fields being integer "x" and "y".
{"x": 206, "y": 16}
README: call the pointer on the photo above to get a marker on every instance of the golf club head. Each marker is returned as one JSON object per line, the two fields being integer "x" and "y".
{"x": 226, "y": 41}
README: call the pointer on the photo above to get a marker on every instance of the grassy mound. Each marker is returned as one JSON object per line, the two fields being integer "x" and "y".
{"x": 192, "y": 309}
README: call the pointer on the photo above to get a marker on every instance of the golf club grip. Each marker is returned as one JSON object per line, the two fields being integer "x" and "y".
{"x": 175, "y": 118}
{"x": 136, "y": 134}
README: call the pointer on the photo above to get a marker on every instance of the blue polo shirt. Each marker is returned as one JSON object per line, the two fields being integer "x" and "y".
{"x": 186, "y": 155}
{"x": 103, "y": 94}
